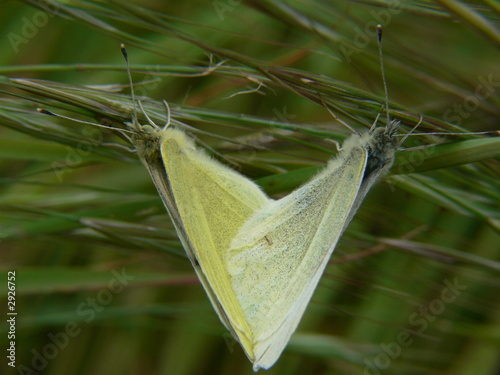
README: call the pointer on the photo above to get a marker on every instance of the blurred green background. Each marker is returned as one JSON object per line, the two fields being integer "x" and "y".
{"x": 102, "y": 283}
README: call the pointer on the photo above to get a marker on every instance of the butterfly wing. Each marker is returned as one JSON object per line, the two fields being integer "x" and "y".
{"x": 207, "y": 202}
{"x": 279, "y": 254}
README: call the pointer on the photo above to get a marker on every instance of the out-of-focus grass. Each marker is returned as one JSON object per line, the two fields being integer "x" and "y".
{"x": 103, "y": 285}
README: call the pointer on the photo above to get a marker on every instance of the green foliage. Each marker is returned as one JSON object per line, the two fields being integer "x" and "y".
{"x": 100, "y": 274}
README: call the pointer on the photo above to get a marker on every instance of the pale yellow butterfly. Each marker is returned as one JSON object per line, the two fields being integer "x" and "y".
{"x": 207, "y": 203}
{"x": 279, "y": 254}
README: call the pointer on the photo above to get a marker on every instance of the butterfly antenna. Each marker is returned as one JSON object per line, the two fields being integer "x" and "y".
{"x": 342, "y": 122}
{"x": 129, "y": 74}
{"x": 143, "y": 111}
{"x": 47, "y": 112}
{"x": 382, "y": 71}
{"x": 421, "y": 118}
{"x": 167, "y": 108}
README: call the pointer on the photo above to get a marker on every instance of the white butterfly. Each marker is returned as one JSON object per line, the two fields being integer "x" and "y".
{"x": 279, "y": 254}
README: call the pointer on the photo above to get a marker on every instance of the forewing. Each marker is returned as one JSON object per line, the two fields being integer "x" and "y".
{"x": 279, "y": 254}
{"x": 207, "y": 202}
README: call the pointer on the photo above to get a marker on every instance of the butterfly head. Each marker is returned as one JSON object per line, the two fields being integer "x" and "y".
{"x": 381, "y": 144}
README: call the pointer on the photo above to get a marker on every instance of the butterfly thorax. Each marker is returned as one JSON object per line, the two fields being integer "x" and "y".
{"x": 381, "y": 144}
{"x": 147, "y": 142}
